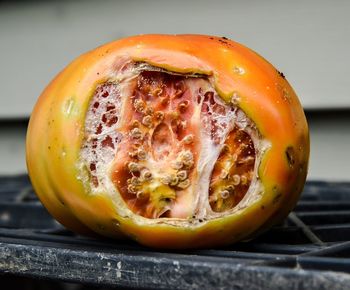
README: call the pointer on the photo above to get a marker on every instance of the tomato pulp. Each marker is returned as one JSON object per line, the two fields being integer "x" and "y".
{"x": 175, "y": 147}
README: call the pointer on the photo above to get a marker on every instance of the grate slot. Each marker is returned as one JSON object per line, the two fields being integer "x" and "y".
{"x": 310, "y": 206}
{"x": 325, "y": 217}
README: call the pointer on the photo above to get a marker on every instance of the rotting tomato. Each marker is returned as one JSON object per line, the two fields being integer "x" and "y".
{"x": 178, "y": 141}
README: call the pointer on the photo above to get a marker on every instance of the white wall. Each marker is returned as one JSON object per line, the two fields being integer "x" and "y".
{"x": 308, "y": 40}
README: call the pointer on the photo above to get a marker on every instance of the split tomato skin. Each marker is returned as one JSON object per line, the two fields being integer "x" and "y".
{"x": 56, "y": 134}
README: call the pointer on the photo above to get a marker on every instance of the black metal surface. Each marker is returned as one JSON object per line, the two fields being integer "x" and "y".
{"x": 311, "y": 250}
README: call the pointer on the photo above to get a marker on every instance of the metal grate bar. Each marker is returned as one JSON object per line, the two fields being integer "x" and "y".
{"x": 307, "y": 231}
{"x": 310, "y": 251}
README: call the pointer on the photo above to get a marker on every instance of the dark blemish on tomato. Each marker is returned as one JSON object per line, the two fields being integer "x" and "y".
{"x": 281, "y": 74}
{"x": 290, "y": 154}
{"x": 101, "y": 227}
{"x": 112, "y": 121}
{"x": 107, "y": 142}
{"x": 99, "y": 129}
{"x": 277, "y": 198}
{"x": 262, "y": 207}
{"x": 92, "y": 166}
{"x": 223, "y": 40}
{"x": 110, "y": 107}
{"x": 94, "y": 143}
{"x": 49, "y": 147}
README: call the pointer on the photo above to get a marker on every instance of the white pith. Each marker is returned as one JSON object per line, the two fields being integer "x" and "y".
{"x": 121, "y": 90}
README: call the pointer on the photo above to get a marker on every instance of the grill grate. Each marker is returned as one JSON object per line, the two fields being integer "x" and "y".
{"x": 311, "y": 250}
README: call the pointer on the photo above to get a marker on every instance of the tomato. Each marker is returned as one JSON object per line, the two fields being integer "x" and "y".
{"x": 177, "y": 141}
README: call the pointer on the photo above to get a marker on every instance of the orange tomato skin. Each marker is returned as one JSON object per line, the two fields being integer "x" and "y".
{"x": 56, "y": 130}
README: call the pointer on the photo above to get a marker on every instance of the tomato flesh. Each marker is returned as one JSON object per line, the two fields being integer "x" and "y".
{"x": 233, "y": 171}
{"x": 155, "y": 161}
{"x": 170, "y": 135}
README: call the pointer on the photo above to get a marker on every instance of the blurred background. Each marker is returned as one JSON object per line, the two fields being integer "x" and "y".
{"x": 309, "y": 41}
